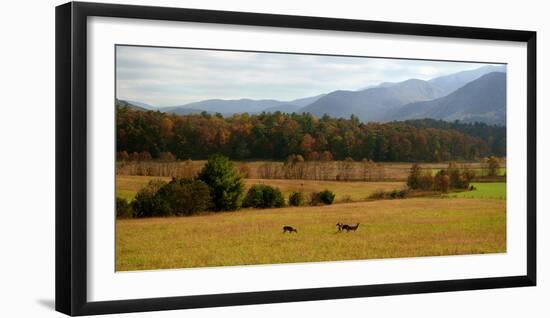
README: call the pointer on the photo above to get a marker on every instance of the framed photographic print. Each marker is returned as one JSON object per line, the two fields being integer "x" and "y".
{"x": 211, "y": 158}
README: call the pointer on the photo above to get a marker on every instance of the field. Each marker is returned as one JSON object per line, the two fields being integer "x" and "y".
{"x": 309, "y": 170}
{"x": 486, "y": 190}
{"x": 389, "y": 228}
{"x": 469, "y": 222}
{"x": 127, "y": 186}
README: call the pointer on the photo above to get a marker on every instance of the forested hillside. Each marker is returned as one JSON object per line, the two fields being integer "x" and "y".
{"x": 275, "y": 136}
{"x": 494, "y": 135}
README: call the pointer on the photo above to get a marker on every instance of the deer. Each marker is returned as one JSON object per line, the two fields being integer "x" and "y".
{"x": 347, "y": 227}
{"x": 289, "y": 229}
{"x": 350, "y": 227}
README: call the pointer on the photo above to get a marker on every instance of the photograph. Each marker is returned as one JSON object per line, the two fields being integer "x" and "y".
{"x": 237, "y": 158}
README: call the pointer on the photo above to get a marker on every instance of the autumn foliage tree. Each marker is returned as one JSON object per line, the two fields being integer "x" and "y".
{"x": 454, "y": 177}
{"x": 413, "y": 181}
{"x": 493, "y": 166}
{"x": 275, "y": 136}
{"x": 442, "y": 182}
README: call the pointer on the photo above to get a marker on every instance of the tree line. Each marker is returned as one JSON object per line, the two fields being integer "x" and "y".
{"x": 218, "y": 187}
{"x": 494, "y": 135}
{"x": 276, "y": 136}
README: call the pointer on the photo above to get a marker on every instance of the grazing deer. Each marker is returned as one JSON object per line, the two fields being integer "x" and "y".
{"x": 289, "y": 229}
{"x": 350, "y": 227}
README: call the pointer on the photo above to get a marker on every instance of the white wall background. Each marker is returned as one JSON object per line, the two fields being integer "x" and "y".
{"x": 27, "y": 158}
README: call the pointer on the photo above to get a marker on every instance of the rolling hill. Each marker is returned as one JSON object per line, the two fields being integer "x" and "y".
{"x": 244, "y": 105}
{"x": 452, "y": 82}
{"x": 373, "y": 104}
{"x": 142, "y": 105}
{"x": 449, "y": 97}
{"x": 123, "y": 103}
{"x": 482, "y": 100}
{"x": 226, "y": 106}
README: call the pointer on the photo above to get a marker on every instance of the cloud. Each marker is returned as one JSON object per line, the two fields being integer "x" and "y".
{"x": 168, "y": 76}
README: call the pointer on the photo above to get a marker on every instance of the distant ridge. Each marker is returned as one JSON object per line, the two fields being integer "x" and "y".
{"x": 245, "y": 105}
{"x": 443, "y": 97}
{"x": 482, "y": 100}
{"x": 142, "y": 105}
{"x": 373, "y": 104}
{"x": 123, "y": 103}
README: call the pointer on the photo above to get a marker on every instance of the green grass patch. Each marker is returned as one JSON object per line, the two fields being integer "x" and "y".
{"x": 484, "y": 190}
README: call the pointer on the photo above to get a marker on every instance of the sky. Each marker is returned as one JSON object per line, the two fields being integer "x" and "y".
{"x": 171, "y": 76}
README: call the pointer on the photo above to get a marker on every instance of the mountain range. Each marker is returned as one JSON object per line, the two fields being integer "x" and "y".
{"x": 244, "y": 105}
{"x": 374, "y": 104}
{"x": 482, "y": 100}
{"x": 473, "y": 95}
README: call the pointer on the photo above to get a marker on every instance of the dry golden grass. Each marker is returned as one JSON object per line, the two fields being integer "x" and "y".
{"x": 128, "y": 186}
{"x": 392, "y": 228}
{"x": 387, "y": 171}
{"x": 355, "y": 191}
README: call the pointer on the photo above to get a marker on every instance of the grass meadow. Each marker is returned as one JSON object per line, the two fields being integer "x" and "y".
{"x": 484, "y": 190}
{"x": 128, "y": 186}
{"x": 471, "y": 222}
{"x": 388, "y": 229}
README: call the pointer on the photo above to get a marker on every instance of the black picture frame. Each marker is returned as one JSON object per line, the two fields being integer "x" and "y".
{"x": 71, "y": 157}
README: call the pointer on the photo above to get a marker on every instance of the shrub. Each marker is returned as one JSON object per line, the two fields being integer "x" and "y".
{"x": 123, "y": 208}
{"x": 327, "y": 197}
{"x": 178, "y": 197}
{"x": 296, "y": 199}
{"x": 378, "y": 194}
{"x": 184, "y": 197}
{"x": 394, "y": 194}
{"x": 323, "y": 197}
{"x": 254, "y": 197}
{"x": 403, "y": 193}
{"x": 224, "y": 181}
{"x": 263, "y": 196}
{"x": 147, "y": 203}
